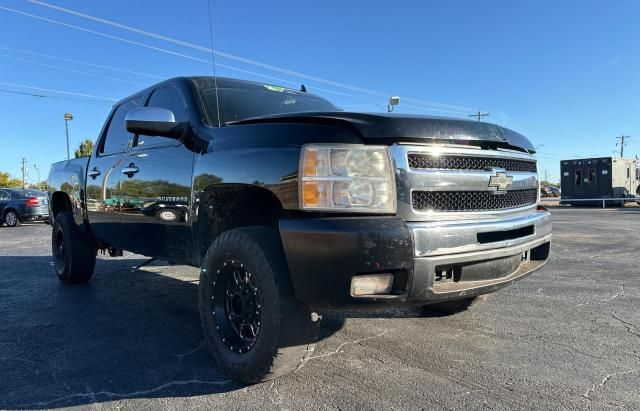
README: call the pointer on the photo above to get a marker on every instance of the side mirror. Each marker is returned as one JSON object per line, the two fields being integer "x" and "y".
{"x": 154, "y": 121}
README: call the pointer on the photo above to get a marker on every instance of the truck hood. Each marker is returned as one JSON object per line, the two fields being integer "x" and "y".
{"x": 400, "y": 127}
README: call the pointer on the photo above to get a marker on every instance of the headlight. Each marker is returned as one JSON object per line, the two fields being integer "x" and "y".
{"x": 347, "y": 178}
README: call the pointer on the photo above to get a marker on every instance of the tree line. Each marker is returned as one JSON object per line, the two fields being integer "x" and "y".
{"x": 84, "y": 149}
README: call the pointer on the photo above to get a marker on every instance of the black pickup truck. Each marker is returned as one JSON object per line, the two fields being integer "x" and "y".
{"x": 290, "y": 206}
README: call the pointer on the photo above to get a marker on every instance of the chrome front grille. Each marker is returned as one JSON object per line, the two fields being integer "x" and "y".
{"x": 451, "y": 201}
{"x": 437, "y": 183}
{"x": 457, "y": 162}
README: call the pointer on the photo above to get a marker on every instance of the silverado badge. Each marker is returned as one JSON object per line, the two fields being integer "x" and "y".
{"x": 501, "y": 181}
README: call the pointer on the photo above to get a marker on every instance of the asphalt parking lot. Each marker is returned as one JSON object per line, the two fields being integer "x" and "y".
{"x": 566, "y": 337}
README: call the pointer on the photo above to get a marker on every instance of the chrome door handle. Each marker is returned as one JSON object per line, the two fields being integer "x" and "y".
{"x": 94, "y": 173}
{"x": 130, "y": 171}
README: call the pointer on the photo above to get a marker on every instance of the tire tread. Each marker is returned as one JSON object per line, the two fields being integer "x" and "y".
{"x": 291, "y": 349}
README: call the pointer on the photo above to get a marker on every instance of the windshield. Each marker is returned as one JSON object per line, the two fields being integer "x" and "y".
{"x": 255, "y": 100}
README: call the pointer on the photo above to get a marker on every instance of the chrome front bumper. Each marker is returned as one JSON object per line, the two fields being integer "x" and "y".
{"x": 452, "y": 263}
{"x": 439, "y": 238}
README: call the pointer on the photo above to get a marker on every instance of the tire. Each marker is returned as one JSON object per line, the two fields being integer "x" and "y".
{"x": 281, "y": 336}
{"x": 451, "y": 307}
{"x": 74, "y": 254}
{"x": 11, "y": 218}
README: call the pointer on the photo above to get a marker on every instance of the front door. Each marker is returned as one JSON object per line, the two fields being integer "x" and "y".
{"x": 103, "y": 193}
{"x": 156, "y": 189}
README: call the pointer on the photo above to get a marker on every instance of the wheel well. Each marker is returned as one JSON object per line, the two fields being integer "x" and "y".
{"x": 225, "y": 207}
{"x": 9, "y": 209}
{"x": 60, "y": 202}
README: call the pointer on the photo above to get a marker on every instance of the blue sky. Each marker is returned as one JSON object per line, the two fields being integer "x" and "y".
{"x": 566, "y": 74}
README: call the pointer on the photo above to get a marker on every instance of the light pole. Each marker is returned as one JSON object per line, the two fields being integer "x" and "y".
{"x": 67, "y": 117}
{"x": 38, "y": 172}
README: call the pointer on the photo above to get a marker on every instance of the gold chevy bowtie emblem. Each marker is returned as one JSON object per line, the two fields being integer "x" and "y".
{"x": 501, "y": 181}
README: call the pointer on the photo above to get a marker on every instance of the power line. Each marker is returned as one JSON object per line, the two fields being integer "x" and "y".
{"x": 154, "y": 48}
{"x": 229, "y": 55}
{"x": 52, "y": 66}
{"x": 83, "y": 62}
{"x": 71, "y": 93}
{"x": 53, "y": 97}
{"x": 163, "y": 77}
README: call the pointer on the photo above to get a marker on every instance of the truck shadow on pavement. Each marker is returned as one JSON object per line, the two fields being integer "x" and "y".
{"x": 127, "y": 334}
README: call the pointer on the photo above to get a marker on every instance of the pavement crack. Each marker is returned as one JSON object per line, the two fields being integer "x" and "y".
{"x": 337, "y": 351}
{"x": 193, "y": 350}
{"x": 619, "y": 293}
{"x": 616, "y": 295}
{"x": 604, "y": 381}
{"x": 93, "y": 396}
{"x": 539, "y": 336}
{"x": 629, "y": 326}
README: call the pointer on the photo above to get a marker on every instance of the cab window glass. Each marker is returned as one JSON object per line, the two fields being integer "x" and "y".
{"x": 170, "y": 98}
{"x": 117, "y": 137}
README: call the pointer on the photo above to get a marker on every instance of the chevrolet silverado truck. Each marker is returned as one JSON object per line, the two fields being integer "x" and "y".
{"x": 290, "y": 207}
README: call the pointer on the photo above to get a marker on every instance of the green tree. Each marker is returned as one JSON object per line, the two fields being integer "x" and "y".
{"x": 84, "y": 149}
{"x": 7, "y": 181}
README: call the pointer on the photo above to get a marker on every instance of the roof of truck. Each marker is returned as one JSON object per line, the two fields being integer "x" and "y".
{"x": 221, "y": 82}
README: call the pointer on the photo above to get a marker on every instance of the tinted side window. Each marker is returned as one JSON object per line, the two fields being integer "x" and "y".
{"x": 117, "y": 137}
{"x": 4, "y": 196}
{"x": 170, "y": 98}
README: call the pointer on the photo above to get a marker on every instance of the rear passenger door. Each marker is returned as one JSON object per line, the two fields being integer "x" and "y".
{"x": 157, "y": 192}
{"x": 103, "y": 194}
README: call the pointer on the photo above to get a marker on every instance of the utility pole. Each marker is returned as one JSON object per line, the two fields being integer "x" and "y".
{"x": 38, "y": 172}
{"x": 479, "y": 115}
{"x": 24, "y": 170}
{"x": 546, "y": 176}
{"x": 622, "y": 143}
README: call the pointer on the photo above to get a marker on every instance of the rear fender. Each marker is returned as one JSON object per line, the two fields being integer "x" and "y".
{"x": 66, "y": 193}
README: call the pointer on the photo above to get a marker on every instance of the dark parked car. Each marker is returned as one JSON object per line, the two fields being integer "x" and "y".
{"x": 290, "y": 206}
{"x": 549, "y": 191}
{"x": 553, "y": 191}
{"x": 17, "y": 205}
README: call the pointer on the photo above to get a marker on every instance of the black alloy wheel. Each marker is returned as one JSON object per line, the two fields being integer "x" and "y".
{"x": 236, "y": 304}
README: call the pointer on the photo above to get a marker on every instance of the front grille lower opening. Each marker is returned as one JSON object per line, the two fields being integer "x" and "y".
{"x": 497, "y": 236}
{"x": 461, "y": 201}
